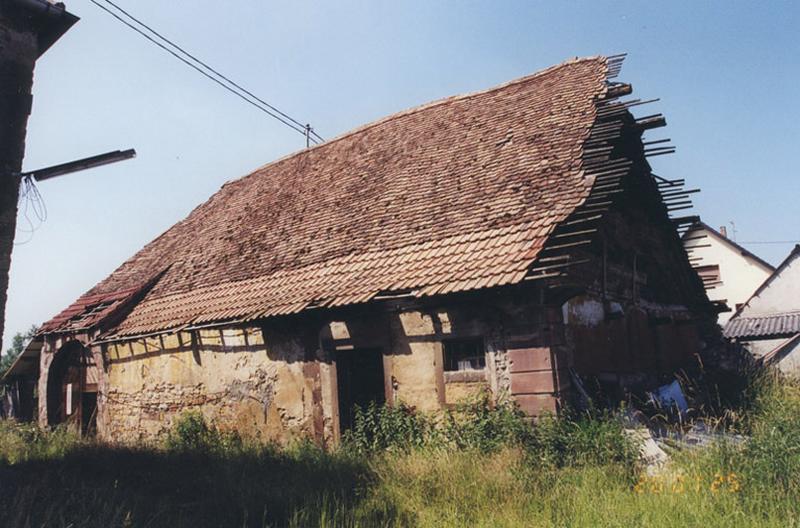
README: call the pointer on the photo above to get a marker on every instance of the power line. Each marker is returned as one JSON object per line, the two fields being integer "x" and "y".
{"x": 265, "y": 107}
{"x": 217, "y": 73}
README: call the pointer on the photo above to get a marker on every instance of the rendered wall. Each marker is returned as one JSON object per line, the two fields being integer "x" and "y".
{"x": 780, "y": 295}
{"x": 740, "y": 274}
{"x": 789, "y": 359}
{"x": 279, "y": 381}
{"x": 231, "y": 375}
{"x": 411, "y": 341}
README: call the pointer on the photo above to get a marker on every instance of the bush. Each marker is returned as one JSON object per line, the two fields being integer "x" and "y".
{"x": 594, "y": 438}
{"x": 191, "y": 433}
{"x": 20, "y": 442}
{"x": 381, "y": 427}
{"x": 482, "y": 425}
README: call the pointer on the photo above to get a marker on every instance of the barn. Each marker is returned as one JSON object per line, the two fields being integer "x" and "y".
{"x": 513, "y": 241}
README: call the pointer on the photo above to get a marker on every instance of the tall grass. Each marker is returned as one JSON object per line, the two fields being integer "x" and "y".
{"x": 20, "y": 442}
{"x": 479, "y": 465}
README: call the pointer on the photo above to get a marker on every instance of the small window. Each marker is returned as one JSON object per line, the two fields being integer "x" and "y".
{"x": 464, "y": 354}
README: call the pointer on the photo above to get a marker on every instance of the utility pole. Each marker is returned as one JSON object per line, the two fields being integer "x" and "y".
{"x": 27, "y": 29}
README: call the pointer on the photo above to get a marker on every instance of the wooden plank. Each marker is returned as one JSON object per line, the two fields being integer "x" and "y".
{"x": 528, "y": 359}
{"x": 537, "y": 382}
{"x": 537, "y": 404}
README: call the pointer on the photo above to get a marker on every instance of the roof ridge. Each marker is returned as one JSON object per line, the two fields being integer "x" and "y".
{"x": 764, "y": 285}
{"x": 723, "y": 238}
{"x": 766, "y": 315}
{"x": 414, "y": 109}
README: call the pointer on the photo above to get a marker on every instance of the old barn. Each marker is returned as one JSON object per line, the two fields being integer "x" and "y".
{"x": 513, "y": 240}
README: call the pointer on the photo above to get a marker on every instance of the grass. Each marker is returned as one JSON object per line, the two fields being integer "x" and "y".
{"x": 478, "y": 466}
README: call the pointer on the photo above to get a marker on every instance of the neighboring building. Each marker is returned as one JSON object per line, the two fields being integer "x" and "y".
{"x": 20, "y": 385}
{"x": 497, "y": 241}
{"x": 729, "y": 272}
{"x": 768, "y": 323}
{"x": 27, "y": 29}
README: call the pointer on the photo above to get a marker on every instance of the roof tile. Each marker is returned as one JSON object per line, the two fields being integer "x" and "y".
{"x": 454, "y": 195}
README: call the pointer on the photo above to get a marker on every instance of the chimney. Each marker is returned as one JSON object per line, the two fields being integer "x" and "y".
{"x": 723, "y": 231}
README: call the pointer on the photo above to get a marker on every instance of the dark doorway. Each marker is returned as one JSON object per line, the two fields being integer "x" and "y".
{"x": 72, "y": 388}
{"x": 359, "y": 376}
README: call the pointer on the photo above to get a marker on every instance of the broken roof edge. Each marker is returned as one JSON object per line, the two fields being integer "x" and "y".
{"x": 112, "y": 336}
{"x": 32, "y": 348}
{"x": 117, "y": 300}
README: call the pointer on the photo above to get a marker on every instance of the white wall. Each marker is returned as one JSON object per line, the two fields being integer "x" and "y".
{"x": 740, "y": 274}
{"x": 782, "y": 294}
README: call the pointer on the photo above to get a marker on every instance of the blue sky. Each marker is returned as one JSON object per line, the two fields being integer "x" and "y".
{"x": 727, "y": 74}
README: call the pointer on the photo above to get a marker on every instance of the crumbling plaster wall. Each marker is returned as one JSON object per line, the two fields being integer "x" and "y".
{"x": 278, "y": 381}
{"x": 413, "y": 337}
{"x": 251, "y": 379}
{"x": 416, "y": 358}
{"x": 411, "y": 341}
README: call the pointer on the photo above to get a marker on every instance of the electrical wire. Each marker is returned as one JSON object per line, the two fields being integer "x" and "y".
{"x": 257, "y": 102}
{"x": 770, "y": 242}
{"x": 205, "y": 65}
{"x": 31, "y": 203}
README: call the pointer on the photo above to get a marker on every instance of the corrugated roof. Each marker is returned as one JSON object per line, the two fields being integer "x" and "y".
{"x": 456, "y": 195}
{"x": 774, "y": 324}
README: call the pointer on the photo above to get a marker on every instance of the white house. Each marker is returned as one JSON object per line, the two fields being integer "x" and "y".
{"x": 768, "y": 324}
{"x": 730, "y": 273}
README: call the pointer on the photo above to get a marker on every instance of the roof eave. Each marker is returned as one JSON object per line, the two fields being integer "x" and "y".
{"x": 49, "y": 21}
{"x": 745, "y": 252}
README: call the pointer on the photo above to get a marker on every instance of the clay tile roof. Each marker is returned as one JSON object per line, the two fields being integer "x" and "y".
{"x": 427, "y": 201}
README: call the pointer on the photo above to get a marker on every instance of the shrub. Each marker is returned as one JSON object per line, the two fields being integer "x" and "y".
{"x": 191, "y": 433}
{"x": 26, "y": 441}
{"x": 591, "y": 438}
{"x": 381, "y": 427}
{"x": 480, "y": 424}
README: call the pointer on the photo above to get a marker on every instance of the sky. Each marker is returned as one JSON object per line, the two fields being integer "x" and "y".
{"x": 726, "y": 74}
